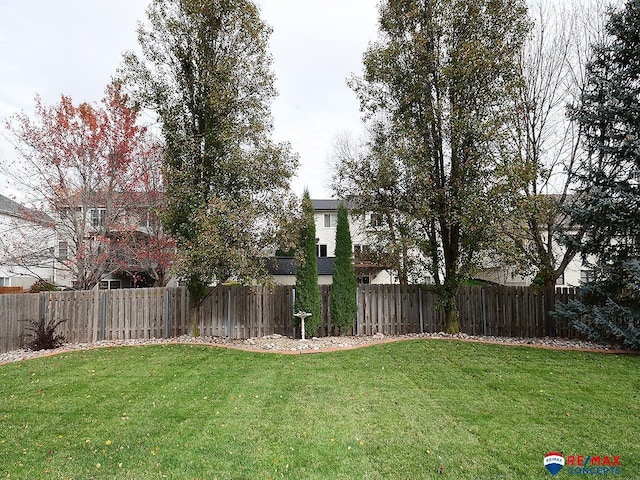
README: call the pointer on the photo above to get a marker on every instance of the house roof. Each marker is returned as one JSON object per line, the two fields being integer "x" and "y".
{"x": 14, "y": 209}
{"x": 122, "y": 199}
{"x": 331, "y": 204}
{"x": 287, "y": 266}
{"x": 328, "y": 204}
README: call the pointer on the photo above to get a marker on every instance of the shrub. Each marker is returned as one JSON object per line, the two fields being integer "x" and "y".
{"x": 307, "y": 290}
{"x": 42, "y": 286}
{"x": 44, "y": 334}
{"x": 343, "y": 306}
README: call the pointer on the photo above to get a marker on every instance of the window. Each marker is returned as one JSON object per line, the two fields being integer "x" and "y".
{"x": 321, "y": 250}
{"x": 360, "y": 252}
{"x": 147, "y": 219}
{"x": 375, "y": 220}
{"x": 5, "y": 282}
{"x": 63, "y": 251}
{"x": 330, "y": 220}
{"x": 143, "y": 218}
{"x": 98, "y": 217}
{"x": 560, "y": 279}
{"x": 586, "y": 276}
{"x": 110, "y": 284}
{"x": 364, "y": 279}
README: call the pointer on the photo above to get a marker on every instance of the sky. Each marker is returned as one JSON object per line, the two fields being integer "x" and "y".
{"x": 73, "y": 47}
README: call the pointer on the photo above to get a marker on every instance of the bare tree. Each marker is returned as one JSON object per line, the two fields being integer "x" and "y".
{"x": 552, "y": 66}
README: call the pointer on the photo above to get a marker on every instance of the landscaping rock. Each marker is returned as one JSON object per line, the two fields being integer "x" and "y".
{"x": 279, "y": 343}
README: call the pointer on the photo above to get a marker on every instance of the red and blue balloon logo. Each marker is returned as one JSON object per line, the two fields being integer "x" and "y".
{"x": 553, "y": 462}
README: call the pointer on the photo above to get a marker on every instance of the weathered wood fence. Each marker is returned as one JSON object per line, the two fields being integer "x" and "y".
{"x": 244, "y": 312}
{"x": 94, "y": 315}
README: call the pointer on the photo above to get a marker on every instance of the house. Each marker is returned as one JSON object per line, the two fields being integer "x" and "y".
{"x": 283, "y": 270}
{"x": 326, "y": 218}
{"x": 27, "y": 242}
{"x": 113, "y": 240}
{"x": 574, "y": 274}
{"x": 363, "y": 229}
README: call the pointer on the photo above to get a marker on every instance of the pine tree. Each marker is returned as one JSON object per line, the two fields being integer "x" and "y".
{"x": 609, "y": 305}
{"x": 343, "y": 306}
{"x": 307, "y": 290}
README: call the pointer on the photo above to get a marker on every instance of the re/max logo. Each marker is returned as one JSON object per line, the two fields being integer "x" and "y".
{"x": 593, "y": 461}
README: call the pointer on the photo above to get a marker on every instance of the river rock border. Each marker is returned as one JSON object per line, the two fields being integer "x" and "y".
{"x": 286, "y": 345}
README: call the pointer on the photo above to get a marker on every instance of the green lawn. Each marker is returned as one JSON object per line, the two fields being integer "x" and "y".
{"x": 403, "y": 410}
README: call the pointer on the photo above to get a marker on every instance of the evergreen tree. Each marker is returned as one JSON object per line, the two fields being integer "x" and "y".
{"x": 307, "y": 290}
{"x": 609, "y": 305}
{"x": 343, "y": 305}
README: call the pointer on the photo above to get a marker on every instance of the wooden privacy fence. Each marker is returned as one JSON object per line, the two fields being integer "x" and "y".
{"x": 94, "y": 315}
{"x": 244, "y": 312}
{"x": 484, "y": 310}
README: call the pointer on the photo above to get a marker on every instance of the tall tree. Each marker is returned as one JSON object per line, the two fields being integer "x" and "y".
{"x": 343, "y": 306}
{"x": 442, "y": 76}
{"x": 205, "y": 70}
{"x": 367, "y": 173}
{"x": 95, "y": 170}
{"x": 307, "y": 290}
{"x": 551, "y": 64}
{"x": 609, "y": 304}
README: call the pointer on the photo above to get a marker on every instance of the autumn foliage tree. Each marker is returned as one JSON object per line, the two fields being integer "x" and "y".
{"x": 98, "y": 174}
{"x": 552, "y": 67}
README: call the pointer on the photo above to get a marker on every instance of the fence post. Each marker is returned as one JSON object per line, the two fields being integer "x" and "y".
{"x": 103, "y": 316}
{"x": 420, "y": 307}
{"x": 293, "y": 308}
{"x": 484, "y": 312}
{"x": 229, "y": 312}
{"x": 549, "y": 304}
{"x": 166, "y": 313}
{"x": 43, "y": 307}
{"x": 355, "y": 327}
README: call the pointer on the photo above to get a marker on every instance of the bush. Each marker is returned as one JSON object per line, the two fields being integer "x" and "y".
{"x": 307, "y": 290}
{"x": 44, "y": 334}
{"x": 42, "y": 286}
{"x": 343, "y": 306}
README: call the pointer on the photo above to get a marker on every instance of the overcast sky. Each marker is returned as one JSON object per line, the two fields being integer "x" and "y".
{"x": 73, "y": 47}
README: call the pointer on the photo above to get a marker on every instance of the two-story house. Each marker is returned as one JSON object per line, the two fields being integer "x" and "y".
{"x": 326, "y": 218}
{"x": 113, "y": 240}
{"x": 27, "y": 241}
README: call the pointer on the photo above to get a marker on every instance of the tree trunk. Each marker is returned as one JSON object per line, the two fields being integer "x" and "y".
{"x": 452, "y": 315}
{"x": 193, "y": 321}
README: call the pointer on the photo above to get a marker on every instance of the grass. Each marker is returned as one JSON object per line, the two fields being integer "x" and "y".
{"x": 403, "y": 410}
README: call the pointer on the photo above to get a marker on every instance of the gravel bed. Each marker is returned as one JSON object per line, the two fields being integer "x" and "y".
{"x": 282, "y": 344}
